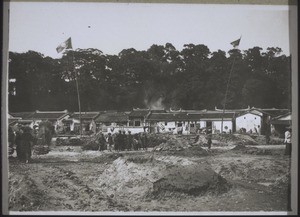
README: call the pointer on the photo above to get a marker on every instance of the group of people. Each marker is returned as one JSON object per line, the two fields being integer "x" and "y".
{"x": 21, "y": 139}
{"x": 122, "y": 141}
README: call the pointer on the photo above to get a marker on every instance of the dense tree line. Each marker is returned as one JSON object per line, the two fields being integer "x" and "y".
{"x": 193, "y": 78}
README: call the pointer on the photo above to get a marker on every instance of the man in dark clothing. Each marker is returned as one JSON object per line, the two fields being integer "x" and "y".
{"x": 110, "y": 141}
{"x": 18, "y": 140}
{"x": 129, "y": 141}
{"x": 144, "y": 141}
{"x": 26, "y": 143}
{"x": 209, "y": 137}
{"x": 135, "y": 142}
{"x": 11, "y": 140}
{"x": 123, "y": 141}
{"x": 118, "y": 140}
{"x": 102, "y": 142}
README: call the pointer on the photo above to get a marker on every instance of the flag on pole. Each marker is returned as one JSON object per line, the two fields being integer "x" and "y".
{"x": 236, "y": 43}
{"x": 65, "y": 45}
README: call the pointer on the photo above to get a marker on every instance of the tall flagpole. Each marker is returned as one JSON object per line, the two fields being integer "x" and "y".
{"x": 66, "y": 46}
{"x": 235, "y": 44}
{"x": 227, "y": 87}
{"x": 77, "y": 87}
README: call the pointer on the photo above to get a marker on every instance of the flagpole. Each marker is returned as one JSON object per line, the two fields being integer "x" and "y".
{"x": 77, "y": 87}
{"x": 227, "y": 87}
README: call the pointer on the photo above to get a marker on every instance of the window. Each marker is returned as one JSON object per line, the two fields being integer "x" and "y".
{"x": 244, "y": 117}
{"x": 255, "y": 118}
{"x": 192, "y": 125}
{"x": 137, "y": 123}
{"x": 179, "y": 124}
{"x": 166, "y": 123}
{"x": 131, "y": 123}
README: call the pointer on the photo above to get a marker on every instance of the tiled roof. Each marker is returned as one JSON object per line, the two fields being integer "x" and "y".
{"x": 48, "y": 115}
{"x": 183, "y": 116}
{"x": 112, "y": 117}
{"x": 276, "y": 112}
{"x": 139, "y": 113}
{"x": 214, "y": 115}
{"x": 85, "y": 115}
{"x": 22, "y": 115}
{"x": 168, "y": 117}
{"x": 283, "y": 115}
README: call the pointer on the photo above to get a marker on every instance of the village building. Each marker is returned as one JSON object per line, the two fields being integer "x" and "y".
{"x": 253, "y": 121}
{"x": 212, "y": 120}
{"x": 169, "y": 122}
{"x": 137, "y": 120}
{"x": 112, "y": 121}
{"x": 55, "y": 117}
{"x": 20, "y": 118}
{"x": 280, "y": 124}
{"x": 88, "y": 124}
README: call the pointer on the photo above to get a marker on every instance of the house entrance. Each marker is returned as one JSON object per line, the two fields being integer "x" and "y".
{"x": 209, "y": 126}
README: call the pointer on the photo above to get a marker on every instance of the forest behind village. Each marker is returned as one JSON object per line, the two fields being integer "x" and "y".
{"x": 160, "y": 77}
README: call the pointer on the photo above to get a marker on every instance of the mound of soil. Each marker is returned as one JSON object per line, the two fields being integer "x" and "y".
{"x": 177, "y": 143}
{"x": 130, "y": 178}
{"x": 234, "y": 139}
{"x": 193, "y": 151}
{"x": 157, "y": 139}
{"x": 252, "y": 150}
{"x": 192, "y": 179}
{"x": 145, "y": 176}
{"x": 254, "y": 169}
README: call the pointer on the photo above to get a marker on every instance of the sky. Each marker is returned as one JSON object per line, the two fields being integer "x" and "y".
{"x": 112, "y": 27}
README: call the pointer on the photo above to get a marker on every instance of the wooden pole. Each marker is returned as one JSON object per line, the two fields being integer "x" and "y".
{"x": 78, "y": 96}
{"x": 227, "y": 87}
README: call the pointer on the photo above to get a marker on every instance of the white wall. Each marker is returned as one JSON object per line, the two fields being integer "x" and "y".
{"x": 202, "y": 124}
{"x": 216, "y": 126}
{"x": 170, "y": 127}
{"x": 249, "y": 122}
{"x": 113, "y": 130}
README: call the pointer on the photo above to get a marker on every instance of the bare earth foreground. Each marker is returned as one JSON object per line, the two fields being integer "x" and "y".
{"x": 225, "y": 178}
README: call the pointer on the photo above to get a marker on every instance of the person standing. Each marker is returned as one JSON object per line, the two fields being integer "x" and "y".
{"x": 102, "y": 142}
{"x": 18, "y": 140}
{"x": 287, "y": 141}
{"x": 129, "y": 141}
{"x": 209, "y": 137}
{"x": 124, "y": 141}
{"x": 11, "y": 140}
{"x": 26, "y": 143}
{"x": 118, "y": 140}
{"x": 110, "y": 142}
{"x": 144, "y": 141}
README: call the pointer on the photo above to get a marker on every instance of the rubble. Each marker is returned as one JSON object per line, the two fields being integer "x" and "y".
{"x": 176, "y": 143}
{"x": 74, "y": 141}
{"x": 41, "y": 149}
{"x": 91, "y": 142}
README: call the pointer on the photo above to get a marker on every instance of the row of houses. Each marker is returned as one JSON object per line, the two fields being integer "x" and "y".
{"x": 251, "y": 120}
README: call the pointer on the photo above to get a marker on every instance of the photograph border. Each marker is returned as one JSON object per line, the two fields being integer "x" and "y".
{"x": 293, "y": 34}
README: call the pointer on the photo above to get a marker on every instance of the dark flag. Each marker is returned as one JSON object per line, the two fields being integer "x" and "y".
{"x": 236, "y": 43}
{"x": 65, "y": 45}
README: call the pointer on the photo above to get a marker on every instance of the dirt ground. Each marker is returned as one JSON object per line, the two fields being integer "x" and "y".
{"x": 221, "y": 179}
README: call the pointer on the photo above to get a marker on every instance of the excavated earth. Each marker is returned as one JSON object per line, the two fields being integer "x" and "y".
{"x": 169, "y": 177}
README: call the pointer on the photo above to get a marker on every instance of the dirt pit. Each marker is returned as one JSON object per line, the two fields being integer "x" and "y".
{"x": 71, "y": 179}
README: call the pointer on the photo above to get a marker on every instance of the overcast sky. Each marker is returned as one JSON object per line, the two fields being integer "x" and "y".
{"x": 111, "y": 27}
